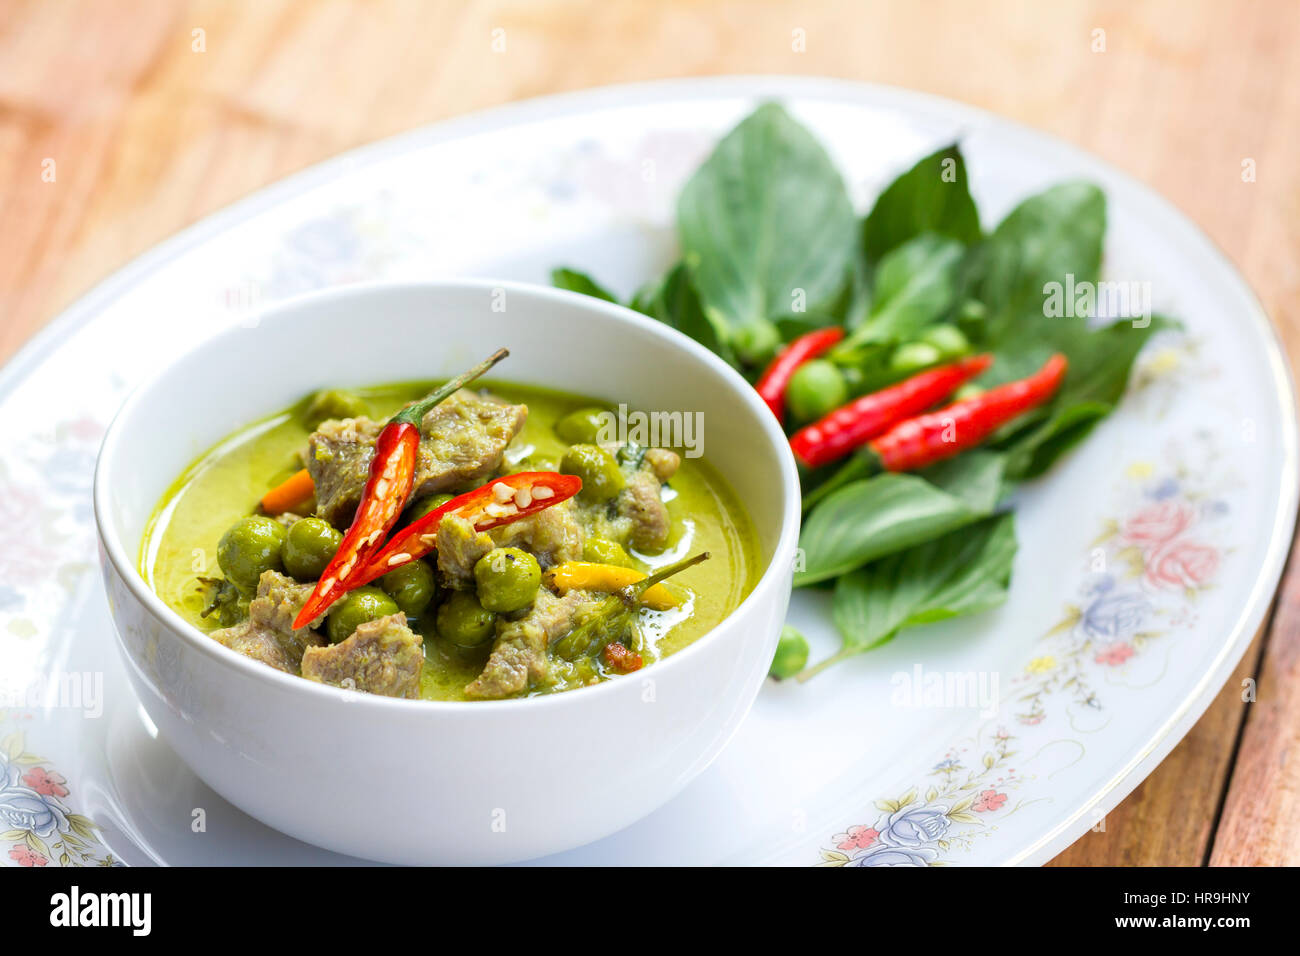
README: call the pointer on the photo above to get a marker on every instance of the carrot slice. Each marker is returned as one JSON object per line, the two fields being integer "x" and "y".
{"x": 293, "y": 492}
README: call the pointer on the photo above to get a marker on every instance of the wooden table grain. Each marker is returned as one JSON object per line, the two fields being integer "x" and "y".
{"x": 122, "y": 121}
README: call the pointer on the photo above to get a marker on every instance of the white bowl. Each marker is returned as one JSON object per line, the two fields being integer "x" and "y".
{"x": 440, "y": 782}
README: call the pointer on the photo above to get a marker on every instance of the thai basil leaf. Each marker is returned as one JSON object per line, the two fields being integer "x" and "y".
{"x": 979, "y": 560}
{"x": 765, "y": 215}
{"x": 1052, "y": 237}
{"x": 878, "y": 516}
{"x": 1037, "y": 447}
{"x": 643, "y": 298}
{"x": 964, "y": 572}
{"x": 1049, "y": 236}
{"x": 916, "y": 284}
{"x": 575, "y": 281}
{"x": 673, "y": 301}
{"x": 932, "y": 196}
{"x": 854, "y": 303}
{"x": 977, "y": 477}
{"x": 793, "y": 326}
{"x": 1101, "y": 361}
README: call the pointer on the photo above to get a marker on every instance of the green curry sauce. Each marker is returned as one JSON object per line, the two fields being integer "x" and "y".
{"x": 180, "y": 544}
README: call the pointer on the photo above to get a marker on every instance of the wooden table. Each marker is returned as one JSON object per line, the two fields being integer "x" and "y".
{"x": 157, "y": 112}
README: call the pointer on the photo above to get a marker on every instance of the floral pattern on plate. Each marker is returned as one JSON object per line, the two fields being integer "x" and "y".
{"x": 38, "y": 827}
{"x": 1143, "y": 576}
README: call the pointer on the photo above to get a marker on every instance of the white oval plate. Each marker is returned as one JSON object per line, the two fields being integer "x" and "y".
{"x": 1147, "y": 557}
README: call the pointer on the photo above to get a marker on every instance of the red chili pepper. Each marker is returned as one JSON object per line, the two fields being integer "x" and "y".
{"x": 853, "y": 425}
{"x": 499, "y": 502}
{"x": 392, "y": 473}
{"x": 771, "y": 387}
{"x": 925, "y": 439}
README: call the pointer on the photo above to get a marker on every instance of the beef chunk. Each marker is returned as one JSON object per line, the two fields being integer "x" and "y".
{"x": 519, "y": 656}
{"x": 459, "y": 548}
{"x": 339, "y": 453}
{"x": 279, "y": 600}
{"x": 553, "y": 535}
{"x": 383, "y": 656}
{"x": 642, "y": 504}
{"x": 268, "y": 635}
{"x": 258, "y": 643}
{"x": 462, "y": 441}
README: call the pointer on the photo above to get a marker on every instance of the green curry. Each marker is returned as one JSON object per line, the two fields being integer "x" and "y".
{"x": 526, "y": 608}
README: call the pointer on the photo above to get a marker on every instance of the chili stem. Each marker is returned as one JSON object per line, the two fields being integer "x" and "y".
{"x": 413, "y": 413}
{"x": 808, "y": 673}
{"x": 631, "y": 594}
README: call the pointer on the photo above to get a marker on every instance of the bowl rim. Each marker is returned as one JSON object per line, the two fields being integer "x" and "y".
{"x": 780, "y": 565}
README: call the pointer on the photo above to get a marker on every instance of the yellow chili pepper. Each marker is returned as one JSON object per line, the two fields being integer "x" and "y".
{"x": 589, "y": 576}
